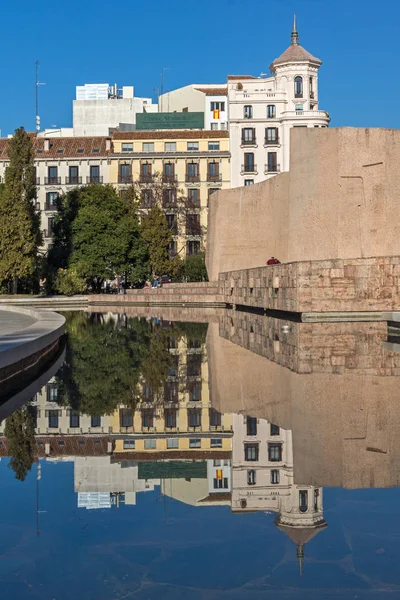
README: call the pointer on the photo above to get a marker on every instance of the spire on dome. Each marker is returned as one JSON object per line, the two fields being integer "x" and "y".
{"x": 295, "y": 35}
{"x": 300, "y": 556}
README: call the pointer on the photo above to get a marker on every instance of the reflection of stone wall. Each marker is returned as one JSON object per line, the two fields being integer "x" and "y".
{"x": 362, "y": 284}
{"x": 335, "y": 348}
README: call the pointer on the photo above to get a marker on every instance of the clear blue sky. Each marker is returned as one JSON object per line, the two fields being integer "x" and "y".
{"x": 81, "y": 42}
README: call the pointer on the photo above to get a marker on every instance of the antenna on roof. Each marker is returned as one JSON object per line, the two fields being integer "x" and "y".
{"x": 37, "y": 83}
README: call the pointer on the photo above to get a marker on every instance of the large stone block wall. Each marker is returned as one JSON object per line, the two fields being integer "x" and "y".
{"x": 341, "y": 285}
{"x": 340, "y": 199}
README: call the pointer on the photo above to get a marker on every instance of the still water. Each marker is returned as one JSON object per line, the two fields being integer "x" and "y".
{"x": 219, "y": 455}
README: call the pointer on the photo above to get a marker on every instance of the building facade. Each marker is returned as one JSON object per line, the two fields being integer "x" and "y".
{"x": 262, "y": 111}
{"x": 211, "y": 99}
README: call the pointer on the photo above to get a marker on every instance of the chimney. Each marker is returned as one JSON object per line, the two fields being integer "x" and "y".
{"x": 108, "y": 144}
{"x": 46, "y": 144}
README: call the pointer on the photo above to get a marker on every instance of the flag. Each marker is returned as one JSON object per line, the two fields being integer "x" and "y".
{"x": 219, "y": 473}
{"x": 216, "y": 114}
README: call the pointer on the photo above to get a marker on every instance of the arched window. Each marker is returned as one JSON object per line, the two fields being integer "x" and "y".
{"x": 303, "y": 501}
{"x": 298, "y": 87}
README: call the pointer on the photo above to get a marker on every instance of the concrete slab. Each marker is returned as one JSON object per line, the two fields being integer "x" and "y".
{"x": 11, "y": 322}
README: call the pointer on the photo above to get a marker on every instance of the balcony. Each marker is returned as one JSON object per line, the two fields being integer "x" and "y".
{"x": 146, "y": 178}
{"x": 37, "y": 180}
{"x": 247, "y": 169}
{"x": 308, "y": 114}
{"x": 48, "y": 234}
{"x": 148, "y": 429}
{"x": 52, "y": 181}
{"x": 126, "y": 429}
{"x": 73, "y": 181}
{"x": 272, "y": 169}
{"x": 251, "y": 142}
{"x": 214, "y": 178}
{"x": 192, "y": 178}
{"x": 125, "y": 179}
{"x": 169, "y": 179}
{"x": 274, "y": 142}
{"x": 94, "y": 179}
{"x": 50, "y": 206}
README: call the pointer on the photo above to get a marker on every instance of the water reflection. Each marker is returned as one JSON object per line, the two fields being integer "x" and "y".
{"x": 246, "y": 415}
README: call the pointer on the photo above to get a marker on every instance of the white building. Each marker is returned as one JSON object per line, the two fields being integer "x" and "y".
{"x": 211, "y": 99}
{"x": 262, "y": 110}
{"x": 101, "y": 107}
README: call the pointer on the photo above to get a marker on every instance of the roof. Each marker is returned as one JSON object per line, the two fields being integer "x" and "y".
{"x": 234, "y": 77}
{"x": 72, "y": 147}
{"x": 295, "y": 53}
{"x": 217, "y": 497}
{"x": 66, "y": 445}
{"x": 302, "y": 535}
{"x": 167, "y": 134}
{"x": 193, "y": 454}
{"x": 213, "y": 91}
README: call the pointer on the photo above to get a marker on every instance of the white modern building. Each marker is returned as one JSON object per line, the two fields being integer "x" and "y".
{"x": 99, "y": 108}
{"x": 211, "y": 99}
{"x": 262, "y": 110}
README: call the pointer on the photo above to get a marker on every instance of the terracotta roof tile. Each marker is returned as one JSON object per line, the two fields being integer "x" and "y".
{"x": 64, "y": 147}
{"x": 295, "y": 53}
{"x": 170, "y": 134}
{"x": 241, "y": 77}
{"x": 213, "y": 91}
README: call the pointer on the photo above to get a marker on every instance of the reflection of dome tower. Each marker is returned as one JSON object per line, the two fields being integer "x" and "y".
{"x": 301, "y": 517}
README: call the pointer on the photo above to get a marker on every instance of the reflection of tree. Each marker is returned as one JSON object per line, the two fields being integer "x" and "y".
{"x": 20, "y": 433}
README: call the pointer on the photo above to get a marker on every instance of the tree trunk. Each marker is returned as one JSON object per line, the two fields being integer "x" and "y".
{"x": 15, "y": 285}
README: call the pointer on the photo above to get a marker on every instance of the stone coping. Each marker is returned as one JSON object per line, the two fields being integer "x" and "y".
{"x": 17, "y": 346}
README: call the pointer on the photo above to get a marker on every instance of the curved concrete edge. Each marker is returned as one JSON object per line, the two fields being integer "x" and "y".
{"x": 19, "y": 345}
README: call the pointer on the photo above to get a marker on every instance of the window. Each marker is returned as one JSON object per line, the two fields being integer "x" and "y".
{"x": 170, "y": 147}
{"x": 220, "y": 483}
{"x": 170, "y": 418}
{"x": 275, "y": 452}
{"x": 217, "y": 463}
{"x": 222, "y": 125}
{"x": 95, "y": 174}
{"x": 214, "y": 126}
{"x": 195, "y": 393}
{"x": 95, "y": 150}
{"x": 148, "y": 419}
{"x": 316, "y": 496}
{"x": 311, "y": 83}
{"x": 217, "y": 106}
{"x": 172, "y": 249}
{"x": 193, "y": 365}
{"x": 52, "y": 173}
{"x": 271, "y": 112}
{"x": 172, "y": 223}
{"x": 61, "y": 442}
{"x": 194, "y": 196}
{"x": 53, "y": 419}
{"x": 251, "y": 426}
{"x": 80, "y": 151}
{"x": 148, "y": 146}
{"x": 129, "y": 444}
{"x": 275, "y": 430}
{"x": 146, "y": 171}
{"x": 50, "y": 227}
{"x": 169, "y": 197}
{"x": 147, "y": 197}
{"x": 74, "y": 419}
{"x": 124, "y": 173}
{"x": 51, "y": 200}
{"x": 169, "y": 171}
{"x": 95, "y": 421}
{"x": 170, "y": 389}
{"x": 271, "y": 135}
{"x": 73, "y": 178}
{"x": 272, "y": 165}
{"x": 194, "y": 443}
{"x": 192, "y": 171}
{"x": 213, "y": 145}
{"x": 194, "y": 416}
{"x": 298, "y": 87}
{"x": 251, "y": 477}
{"x": 249, "y": 166}
{"x": 52, "y": 392}
{"x": 303, "y": 501}
{"x": 192, "y": 248}
{"x": 299, "y": 108}
{"x": 248, "y": 181}
{"x": 215, "y": 418}
{"x": 251, "y": 452}
{"x": 193, "y": 145}
{"x": 125, "y": 417}
{"x": 193, "y": 224}
{"x": 216, "y": 443}
{"x": 274, "y": 476}
{"x": 248, "y": 112}
{"x": 172, "y": 443}
{"x": 248, "y": 136}
{"x": 127, "y": 148}
{"x": 150, "y": 444}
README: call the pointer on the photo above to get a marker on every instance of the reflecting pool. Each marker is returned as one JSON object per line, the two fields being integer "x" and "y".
{"x": 204, "y": 455}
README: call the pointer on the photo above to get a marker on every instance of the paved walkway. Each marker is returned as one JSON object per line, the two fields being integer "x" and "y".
{"x": 11, "y": 322}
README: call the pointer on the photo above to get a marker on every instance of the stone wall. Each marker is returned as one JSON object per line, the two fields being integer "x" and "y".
{"x": 339, "y": 200}
{"x": 341, "y": 285}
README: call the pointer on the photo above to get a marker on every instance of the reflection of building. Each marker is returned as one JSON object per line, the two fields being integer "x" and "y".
{"x": 262, "y": 479}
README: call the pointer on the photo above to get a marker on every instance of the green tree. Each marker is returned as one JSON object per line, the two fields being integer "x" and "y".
{"x": 20, "y": 433}
{"x": 194, "y": 268}
{"x": 157, "y": 235}
{"x": 20, "y": 234}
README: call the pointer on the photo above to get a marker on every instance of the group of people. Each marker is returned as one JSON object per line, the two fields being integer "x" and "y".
{"x": 156, "y": 283}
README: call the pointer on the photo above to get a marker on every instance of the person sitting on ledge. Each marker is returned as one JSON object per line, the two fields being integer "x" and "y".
{"x": 273, "y": 261}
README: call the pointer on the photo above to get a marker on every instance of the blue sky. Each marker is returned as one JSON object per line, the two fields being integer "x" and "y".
{"x": 81, "y": 42}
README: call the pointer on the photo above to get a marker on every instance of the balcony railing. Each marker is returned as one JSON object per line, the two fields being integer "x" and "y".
{"x": 146, "y": 178}
{"x": 214, "y": 178}
{"x": 272, "y": 169}
{"x": 125, "y": 179}
{"x": 94, "y": 179}
{"x": 268, "y": 142}
{"x": 50, "y": 206}
{"x": 169, "y": 178}
{"x": 192, "y": 178}
{"x": 52, "y": 181}
{"x": 37, "y": 180}
{"x": 249, "y": 169}
{"x": 251, "y": 142}
{"x": 73, "y": 180}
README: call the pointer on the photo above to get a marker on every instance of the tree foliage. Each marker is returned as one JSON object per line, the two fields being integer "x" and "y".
{"x": 157, "y": 235}
{"x": 194, "y": 268}
{"x": 20, "y": 433}
{"x": 20, "y": 234}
